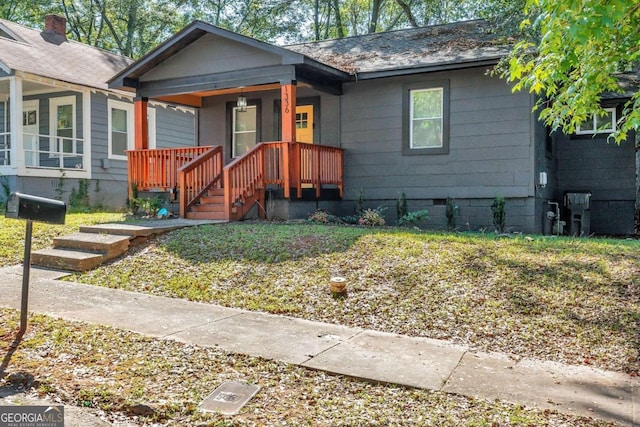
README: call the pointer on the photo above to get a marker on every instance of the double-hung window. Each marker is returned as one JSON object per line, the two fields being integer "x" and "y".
{"x": 120, "y": 125}
{"x": 121, "y": 129}
{"x": 598, "y": 123}
{"x": 426, "y": 118}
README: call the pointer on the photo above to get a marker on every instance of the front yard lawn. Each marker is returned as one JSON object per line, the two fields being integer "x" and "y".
{"x": 568, "y": 300}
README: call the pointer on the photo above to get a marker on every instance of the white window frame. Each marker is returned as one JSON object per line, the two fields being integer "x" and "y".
{"x": 595, "y": 130}
{"x": 119, "y": 105}
{"x": 54, "y": 103}
{"x": 234, "y": 132}
{"x": 440, "y": 117}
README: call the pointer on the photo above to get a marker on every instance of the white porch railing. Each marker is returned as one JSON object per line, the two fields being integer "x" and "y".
{"x": 5, "y": 149}
{"x": 53, "y": 152}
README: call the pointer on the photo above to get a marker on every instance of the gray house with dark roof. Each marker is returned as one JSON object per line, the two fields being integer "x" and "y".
{"x": 60, "y": 122}
{"x": 415, "y": 111}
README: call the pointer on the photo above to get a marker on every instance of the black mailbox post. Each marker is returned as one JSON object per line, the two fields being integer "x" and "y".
{"x": 32, "y": 208}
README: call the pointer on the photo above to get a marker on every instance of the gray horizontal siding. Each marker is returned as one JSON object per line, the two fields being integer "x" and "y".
{"x": 174, "y": 128}
{"x": 490, "y": 141}
{"x": 211, "y": 54}
{"x": 607, "y": 171}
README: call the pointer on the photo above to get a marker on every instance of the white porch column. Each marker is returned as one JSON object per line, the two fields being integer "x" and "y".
{"x": 15, "y": 113}
{"x": 86, "y": 130}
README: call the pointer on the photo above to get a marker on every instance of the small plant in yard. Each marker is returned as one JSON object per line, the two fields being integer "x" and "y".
{"x": 372, "y": 217}
{"x": 412, "y": 219}
{"x": 499, "y": 214}
{"x": 401, "y": 207}
{"x": 451, "y": 212}
{"x": 360, "y": 201}
{"x": 132, "y": 203}
{"x": 79, "y": 199}
{"x": 320, "y": 217}
{"x": 150, "y": 206}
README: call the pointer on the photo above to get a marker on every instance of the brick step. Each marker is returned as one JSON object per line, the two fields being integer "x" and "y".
{"x": 91, "y": 242}
{"x": 67, "y": 259}
{"x": 206, "y": 215}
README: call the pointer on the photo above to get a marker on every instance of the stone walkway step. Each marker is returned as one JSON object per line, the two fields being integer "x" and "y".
{"x": 96, "y": 244}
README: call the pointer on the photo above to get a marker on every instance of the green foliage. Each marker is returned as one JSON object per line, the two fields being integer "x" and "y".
{"x": 150, "y": 206}
{"x": 451, "y": 212}
{"x": 412, "y": 219}
{"x": 79, "y": 199}
{"x": 133, "y": 203}
{"x": 6, "y": 189}
{"x": 372, "y": 217}
{"x": 401, "y": 206}
{"x": 61, "y": 187}
{"x": 582, "y": 46}
{"x": 499, "y": 214}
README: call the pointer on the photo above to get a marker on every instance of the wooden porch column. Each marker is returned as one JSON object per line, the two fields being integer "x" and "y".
{"x": 141, "y": 124}
{"x": 288, "y": 113}
{"x": 15, "y": 122}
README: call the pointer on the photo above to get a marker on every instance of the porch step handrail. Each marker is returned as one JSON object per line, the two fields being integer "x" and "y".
{"x": 244, "y": 180}
{"x": 199, "y": 175}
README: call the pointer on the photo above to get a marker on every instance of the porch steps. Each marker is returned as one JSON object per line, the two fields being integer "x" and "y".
{"x": 211, "y": 206}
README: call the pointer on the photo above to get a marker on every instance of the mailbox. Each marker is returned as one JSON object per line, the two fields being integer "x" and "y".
{"x": 25, "y": 206}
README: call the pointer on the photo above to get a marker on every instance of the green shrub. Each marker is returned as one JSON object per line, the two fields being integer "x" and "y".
{"x": 499, "y": 214}
{"x": 401, "y": 207}
{"x": 451, "y": 212}
{"x": 372, "y": 217}
{"x": 413, "y": 218}
{"x": 319, "y": 216}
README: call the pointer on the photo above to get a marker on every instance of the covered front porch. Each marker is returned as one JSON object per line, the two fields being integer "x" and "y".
{"x": 44, "y": 127}
{"x": 253, "y": 135}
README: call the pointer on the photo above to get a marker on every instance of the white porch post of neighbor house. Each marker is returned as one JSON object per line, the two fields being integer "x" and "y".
{"x": 15, "y": 114}
{"x": 86, "y": 131}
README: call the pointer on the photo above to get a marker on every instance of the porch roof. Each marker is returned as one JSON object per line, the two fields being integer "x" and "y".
{"x": 32, "y": 51}
{"x": 292, "y": 66}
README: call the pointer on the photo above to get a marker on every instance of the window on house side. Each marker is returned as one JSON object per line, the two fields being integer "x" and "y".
{"x": 120, "y": 129}
{"x": 598, "y": 124}
{"x": 426, "y": 118}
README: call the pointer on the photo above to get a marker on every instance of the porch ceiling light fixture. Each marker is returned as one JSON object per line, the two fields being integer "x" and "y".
{"x": 242, "y": 103}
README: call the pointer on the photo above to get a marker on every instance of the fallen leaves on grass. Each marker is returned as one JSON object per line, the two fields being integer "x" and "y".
{"x": 144, "y": 381}
{"x": 566, "y": 300}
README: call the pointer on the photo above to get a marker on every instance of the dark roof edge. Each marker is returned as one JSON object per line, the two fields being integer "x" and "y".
{"x": 369, "y": 75}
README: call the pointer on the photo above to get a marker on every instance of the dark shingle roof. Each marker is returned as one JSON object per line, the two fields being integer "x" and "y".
{"x": 416, "y": 48}
{"x": 68, "y": 61}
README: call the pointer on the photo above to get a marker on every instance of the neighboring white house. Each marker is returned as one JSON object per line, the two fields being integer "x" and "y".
{"x": 59, "y": 121}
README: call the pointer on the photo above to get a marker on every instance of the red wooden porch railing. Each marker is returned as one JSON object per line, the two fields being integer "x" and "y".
{"x": 158, "y": 169}
{"x": 198, "y": 176}
{"x": 195, "y": 170}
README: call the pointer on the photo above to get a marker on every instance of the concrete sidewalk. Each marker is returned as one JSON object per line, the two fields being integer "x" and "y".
{"x": 376, "y": 356}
